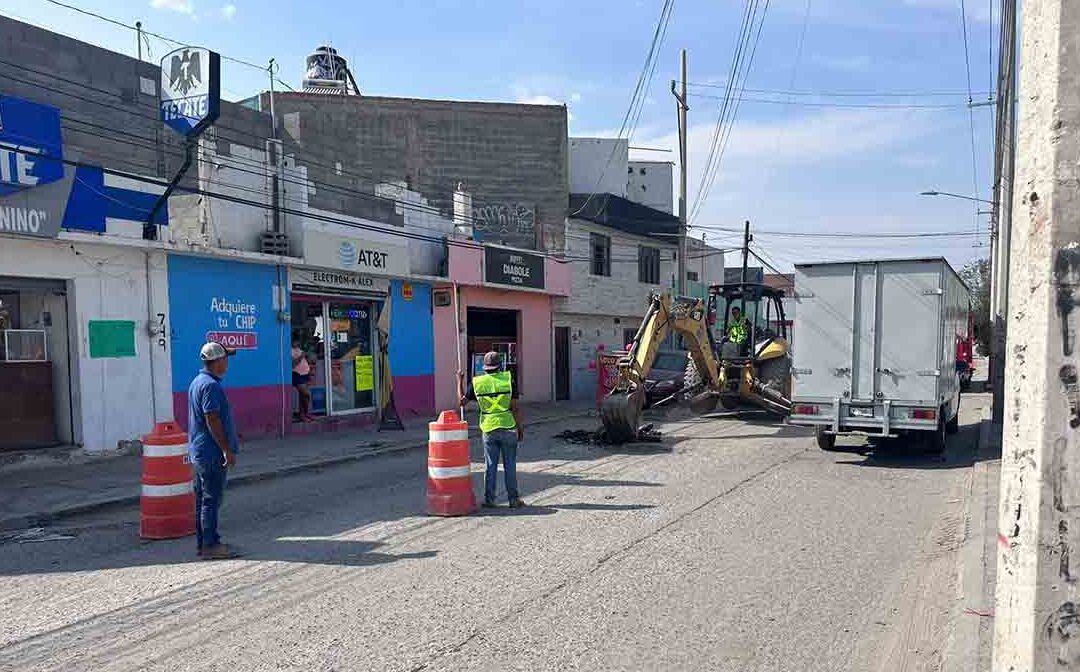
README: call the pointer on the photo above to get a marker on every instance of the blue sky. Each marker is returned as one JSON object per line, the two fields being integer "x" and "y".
{"x": 803, "y": 165}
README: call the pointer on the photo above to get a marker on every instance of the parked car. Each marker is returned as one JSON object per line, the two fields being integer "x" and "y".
{"x": 666, "y": 377}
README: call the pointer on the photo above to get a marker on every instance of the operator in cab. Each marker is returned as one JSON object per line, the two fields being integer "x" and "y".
{"x": 738, "y": 328}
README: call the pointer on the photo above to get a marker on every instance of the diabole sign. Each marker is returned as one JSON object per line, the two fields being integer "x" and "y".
{"x": 190, "y": 89}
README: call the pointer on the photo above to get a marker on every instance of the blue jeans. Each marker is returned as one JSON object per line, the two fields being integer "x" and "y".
{"x": 210, "y": 478}
{"x": 500, "y": 442}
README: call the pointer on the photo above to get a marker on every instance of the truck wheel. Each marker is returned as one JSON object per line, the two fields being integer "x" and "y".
{"x": 825, "y": 440}
{"x": 937, "y": 440}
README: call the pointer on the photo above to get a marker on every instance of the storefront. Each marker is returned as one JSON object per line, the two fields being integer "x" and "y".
{"x": 499, "y": 299}
{"x": 81, "y": 362}
{"x": 350, "y": 288}
{"x": 333, "y": 321}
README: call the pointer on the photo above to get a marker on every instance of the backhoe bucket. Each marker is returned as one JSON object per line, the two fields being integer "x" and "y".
{"x": 621, "y": 412}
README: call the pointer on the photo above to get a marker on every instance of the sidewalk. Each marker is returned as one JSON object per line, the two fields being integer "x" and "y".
{"x": 42, "y": 489}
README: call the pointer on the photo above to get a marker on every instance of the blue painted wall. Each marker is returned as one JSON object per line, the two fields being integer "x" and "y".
{"x": 212, "y": 295}
{"x": 412, "y": 332}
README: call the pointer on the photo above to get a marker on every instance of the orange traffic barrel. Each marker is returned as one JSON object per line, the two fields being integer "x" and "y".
{"x": 168, "y": 495}
{"x": 449, "y": 482}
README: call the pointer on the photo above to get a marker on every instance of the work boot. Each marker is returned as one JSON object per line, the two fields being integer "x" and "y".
{"x": 219, "y": 552}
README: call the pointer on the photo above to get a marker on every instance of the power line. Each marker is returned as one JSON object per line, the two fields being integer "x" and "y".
{"x": 844, "y": 234}
{"x": 878, "y": 106}
{"x": 732, "y": 98}
{"x": 137, "y": 30}
{"x": 637, "y": 98}
{"x": 971, "y": 112}
{"x": 844, "y": 94}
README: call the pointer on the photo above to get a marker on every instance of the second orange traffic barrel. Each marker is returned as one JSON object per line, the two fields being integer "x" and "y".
{"x": 449, "y": 482}
{"x": 168, "y": 497}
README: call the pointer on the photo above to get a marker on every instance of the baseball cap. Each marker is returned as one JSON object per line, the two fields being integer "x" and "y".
{"x": 492, "y": 361}
{"x": 212, "y": 351}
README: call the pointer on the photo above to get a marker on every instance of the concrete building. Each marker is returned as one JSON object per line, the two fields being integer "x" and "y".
{"x": 650, "y": 183}
{"x": 511, "y": 158}
{"x": 619, "y": 252}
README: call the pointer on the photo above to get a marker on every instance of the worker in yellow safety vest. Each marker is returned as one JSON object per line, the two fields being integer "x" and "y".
{"x": 738, "y": 328}
{"x": 496, "y": 395}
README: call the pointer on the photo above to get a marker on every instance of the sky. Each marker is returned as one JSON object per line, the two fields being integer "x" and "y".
{"x": 811, "y": 161}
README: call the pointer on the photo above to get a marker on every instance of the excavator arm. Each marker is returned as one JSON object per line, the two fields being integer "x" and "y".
{"x": 621, "y": 409}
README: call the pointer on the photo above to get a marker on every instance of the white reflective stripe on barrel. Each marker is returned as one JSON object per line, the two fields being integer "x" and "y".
{"x": 449, "y": 472}
{"x": 167, "y": 490}
{"x": 439, "y": 436}
{"x": 171, "y": 450}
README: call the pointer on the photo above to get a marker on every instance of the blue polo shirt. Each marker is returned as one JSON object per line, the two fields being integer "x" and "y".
{"x": 205, "y": 395}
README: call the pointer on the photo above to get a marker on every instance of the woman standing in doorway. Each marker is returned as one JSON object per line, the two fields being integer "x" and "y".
{"x": 301, "y": 376}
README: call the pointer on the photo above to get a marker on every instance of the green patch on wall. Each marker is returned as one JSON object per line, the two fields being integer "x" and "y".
{"x": 112, "y": 338}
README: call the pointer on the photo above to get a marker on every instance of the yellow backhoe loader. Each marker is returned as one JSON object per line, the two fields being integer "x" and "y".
{"x": 747, "y": 361}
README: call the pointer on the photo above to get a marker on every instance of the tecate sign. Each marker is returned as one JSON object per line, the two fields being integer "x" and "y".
{"x": 190, "y": 89}
{"x": 33, "y": 184}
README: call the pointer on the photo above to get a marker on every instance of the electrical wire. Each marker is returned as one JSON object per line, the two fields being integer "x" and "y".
{"x": 169, "y": 40}
{"x": 637, "y": 98}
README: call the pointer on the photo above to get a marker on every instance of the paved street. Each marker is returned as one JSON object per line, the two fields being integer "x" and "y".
{"x": 735, "y": 545}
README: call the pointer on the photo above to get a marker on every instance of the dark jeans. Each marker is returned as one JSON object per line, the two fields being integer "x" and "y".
{"x": 500, "y": 442}
{"x": 209, "y": 489}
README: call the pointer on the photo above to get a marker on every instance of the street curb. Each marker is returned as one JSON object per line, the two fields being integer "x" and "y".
{"x": 965, "y": 641}
{"x": 39, "y": 519}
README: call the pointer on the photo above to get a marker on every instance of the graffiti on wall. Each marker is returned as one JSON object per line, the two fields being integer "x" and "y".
{"x": 506, "y": 218}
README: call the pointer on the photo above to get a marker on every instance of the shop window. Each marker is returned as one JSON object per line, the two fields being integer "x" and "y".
{"x": 649, "y": 265}
{"x": 600, "y": 255}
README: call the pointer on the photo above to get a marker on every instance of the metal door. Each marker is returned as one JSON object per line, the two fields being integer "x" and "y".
{"x": 823, "y": 314}
{"x": 864, "y": 333}
{"x": 910, "y": 327}
{"x": 562, "y": 363}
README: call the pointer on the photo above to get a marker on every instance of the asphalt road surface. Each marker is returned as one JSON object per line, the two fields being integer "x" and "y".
{"x": 735, "y": 544}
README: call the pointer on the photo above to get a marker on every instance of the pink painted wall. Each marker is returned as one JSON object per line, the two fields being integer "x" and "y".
{"x": 466, "y": 263}
{"x": 534, "y": 341}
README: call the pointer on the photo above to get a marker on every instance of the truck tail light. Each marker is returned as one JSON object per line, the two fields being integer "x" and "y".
{"x": 806, "y": 410}
{"x": 924, "y": 414}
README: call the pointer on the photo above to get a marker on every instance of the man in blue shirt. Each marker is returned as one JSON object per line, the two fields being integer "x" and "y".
{"x": 212, "y": 447}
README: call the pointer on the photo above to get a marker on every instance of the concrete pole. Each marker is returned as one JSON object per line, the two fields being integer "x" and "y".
{"x": 1037, "y": 615}
{"x": 680, "y": 281}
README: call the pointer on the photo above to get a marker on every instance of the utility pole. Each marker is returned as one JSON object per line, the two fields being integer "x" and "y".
{"x": 745, "y": 258}
{"x": 1038, "y": 535}
{"x": 1001, "y": 212}
{"x": 680, "y": 99}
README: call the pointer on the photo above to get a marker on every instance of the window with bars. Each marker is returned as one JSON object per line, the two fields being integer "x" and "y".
{"x": 648, "y": 265}
{"x": 600, "y": 254}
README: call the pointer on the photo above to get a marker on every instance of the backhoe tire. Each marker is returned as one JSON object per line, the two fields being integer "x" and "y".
{"x": 825, "y": 440}
{"x": 776, "y": 374}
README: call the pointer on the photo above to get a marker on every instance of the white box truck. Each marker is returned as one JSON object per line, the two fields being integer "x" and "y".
{"x": 877, "y": 348}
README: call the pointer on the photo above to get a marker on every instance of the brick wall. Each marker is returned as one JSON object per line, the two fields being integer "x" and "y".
{"x": 509, "y": 156}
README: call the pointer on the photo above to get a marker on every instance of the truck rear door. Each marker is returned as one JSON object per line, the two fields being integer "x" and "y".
{"x": 909, "y": 330}
{"x": 823, "y": 366}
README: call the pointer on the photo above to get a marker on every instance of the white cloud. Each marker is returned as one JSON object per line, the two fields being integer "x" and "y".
{"x": 228, "y": 12}
{"x": 523, "y": 96}
{"x": 181, "y": 6}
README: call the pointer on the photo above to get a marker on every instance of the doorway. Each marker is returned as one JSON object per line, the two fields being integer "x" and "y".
{"x": 562, "y": 363}
{"x": 336, "y": 335}
{"x": 490, "y": 329}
